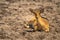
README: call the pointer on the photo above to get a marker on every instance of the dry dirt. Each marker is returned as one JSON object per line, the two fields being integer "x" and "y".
{"x": 14, "y": 14}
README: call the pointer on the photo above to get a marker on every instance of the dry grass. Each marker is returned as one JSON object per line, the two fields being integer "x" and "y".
{"x": 13, "y": 14}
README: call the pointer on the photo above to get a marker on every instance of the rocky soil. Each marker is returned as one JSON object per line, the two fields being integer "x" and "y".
{"x": 14, "y": 14}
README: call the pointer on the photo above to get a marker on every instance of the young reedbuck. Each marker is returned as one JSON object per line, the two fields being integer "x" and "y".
{"x": 38, "y": 22}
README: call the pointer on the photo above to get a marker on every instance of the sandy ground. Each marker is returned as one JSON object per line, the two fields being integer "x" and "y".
{"x": 13, "y": 14}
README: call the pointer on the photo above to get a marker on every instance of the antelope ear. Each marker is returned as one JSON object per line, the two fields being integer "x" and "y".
{"x": 31, "y": 10}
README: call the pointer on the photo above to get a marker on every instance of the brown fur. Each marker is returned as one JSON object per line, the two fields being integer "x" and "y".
{"x": 38, "y": 22}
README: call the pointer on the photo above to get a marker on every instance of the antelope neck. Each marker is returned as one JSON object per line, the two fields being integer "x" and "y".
{"x": 38, "y": 15}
